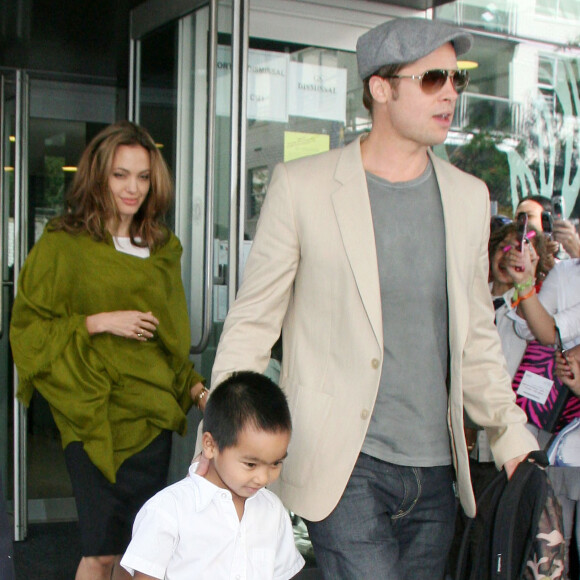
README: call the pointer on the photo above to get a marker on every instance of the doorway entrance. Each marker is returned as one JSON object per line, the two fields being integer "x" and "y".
{"x": 235, "y": 88}
{"x": 45, "y": 125}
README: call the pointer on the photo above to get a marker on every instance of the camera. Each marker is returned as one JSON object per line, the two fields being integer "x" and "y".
{"x": 547, "y": 224}
{"x": 558, "y": 208}
{"x": 522, "y": 229}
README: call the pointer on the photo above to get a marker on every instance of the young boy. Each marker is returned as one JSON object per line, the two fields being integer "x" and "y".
{"x": 225, "y": 524}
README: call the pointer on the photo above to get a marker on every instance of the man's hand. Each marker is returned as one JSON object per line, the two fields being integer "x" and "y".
{"x": 511, "y": 464}
{"x": 565, "y": 233}
{"x": 203, "y": 466}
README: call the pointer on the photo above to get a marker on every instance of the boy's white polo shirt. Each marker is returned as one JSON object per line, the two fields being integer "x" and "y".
{"x": 191, "y": 530}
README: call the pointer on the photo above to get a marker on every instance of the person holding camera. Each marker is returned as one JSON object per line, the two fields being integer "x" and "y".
{"x": 565, "y": 233}
{"x": 547, "y": 215}
{"x": 552, "y": 317}
{"x": 534, "y": 206}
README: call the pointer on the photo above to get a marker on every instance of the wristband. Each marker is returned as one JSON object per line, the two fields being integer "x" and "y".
{"x": 524, "y": 297}
{"x": 524, "y": 285}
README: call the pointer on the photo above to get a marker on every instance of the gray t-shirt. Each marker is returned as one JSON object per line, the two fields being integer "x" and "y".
{"x": 409, "y": 421}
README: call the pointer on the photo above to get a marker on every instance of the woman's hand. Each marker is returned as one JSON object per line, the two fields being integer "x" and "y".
{"x": 199, "y": 396}
{"x": 568, "y": 371}
{"x": 521, "y": 266}
{"x": 130, "y": 324}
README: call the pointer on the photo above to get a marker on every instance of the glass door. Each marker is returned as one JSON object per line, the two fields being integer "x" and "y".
{"x": 46, "y": 125}
{"x": 231, "y": 88}
{"x": 216, "y": 82}
{"x": 174, "y": 91}
{"x": 8, "y": 109}
{"x": 304, "y": 95}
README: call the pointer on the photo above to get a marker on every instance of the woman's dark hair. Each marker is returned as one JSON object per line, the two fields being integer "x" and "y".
{"x": 246, "y": 399}
{"x": 384, "y": 72}
{"x": 498, "y": 235}
{"x": 499, "y": 221}
{"x": 90, "y": 206}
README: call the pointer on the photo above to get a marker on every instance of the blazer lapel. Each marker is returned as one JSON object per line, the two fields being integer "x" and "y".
{"x": 353, "y": 214}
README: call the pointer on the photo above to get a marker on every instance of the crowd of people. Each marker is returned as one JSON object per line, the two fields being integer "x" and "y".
{"x": 547, "y": 310}
{"x": 394, "y": 397}
{"x": 535, "y": 288}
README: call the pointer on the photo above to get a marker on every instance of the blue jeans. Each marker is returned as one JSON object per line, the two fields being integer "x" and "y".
{"x": 392, "y": 523}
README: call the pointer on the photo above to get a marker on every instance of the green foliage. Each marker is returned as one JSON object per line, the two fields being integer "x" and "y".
{"x": 53, "y": 192}
{"x": 482, "y": 158}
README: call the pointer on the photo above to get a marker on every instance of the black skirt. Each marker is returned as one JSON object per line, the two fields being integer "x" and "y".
{"x": 107, "y": 510}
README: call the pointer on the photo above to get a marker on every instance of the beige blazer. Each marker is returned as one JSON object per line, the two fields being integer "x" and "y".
{"x": 313, "y": 272}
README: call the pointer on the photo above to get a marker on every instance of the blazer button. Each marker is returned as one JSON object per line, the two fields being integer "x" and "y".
{"x": 375, "y": 363}
{"x": 364, "y": 414}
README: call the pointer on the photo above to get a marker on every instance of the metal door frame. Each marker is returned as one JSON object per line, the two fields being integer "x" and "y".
{"x": 152, "y": 15}
{"x": 20, "y": 237}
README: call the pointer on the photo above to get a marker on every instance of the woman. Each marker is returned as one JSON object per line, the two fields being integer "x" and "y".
{"x": 564, "y": 231}
{"x": 100, "y": 329}
{"x": 501, "y": 285}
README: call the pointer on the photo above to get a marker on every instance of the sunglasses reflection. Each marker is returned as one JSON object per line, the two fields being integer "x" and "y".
{"x": 434, "y": 80}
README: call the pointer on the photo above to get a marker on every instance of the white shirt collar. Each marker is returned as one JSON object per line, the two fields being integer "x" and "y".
{"x": 207, "y": 490}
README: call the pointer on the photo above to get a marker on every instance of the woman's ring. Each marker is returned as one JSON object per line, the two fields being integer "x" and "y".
{"x": 139, "y": 334}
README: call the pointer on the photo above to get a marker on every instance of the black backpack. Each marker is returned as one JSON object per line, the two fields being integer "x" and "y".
{"x": 517, "y": 531}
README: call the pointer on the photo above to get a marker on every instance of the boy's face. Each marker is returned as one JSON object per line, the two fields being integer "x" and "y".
{"x": 253, "y": 463}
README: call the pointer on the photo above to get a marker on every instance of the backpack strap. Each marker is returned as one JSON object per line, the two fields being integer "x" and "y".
{"x": 518, "y": 513}
{"x": 540, "y": 457}
{"x": 474, "y": 553}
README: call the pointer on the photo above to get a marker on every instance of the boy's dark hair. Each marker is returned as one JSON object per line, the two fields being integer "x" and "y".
{"x": 245, "y": 399}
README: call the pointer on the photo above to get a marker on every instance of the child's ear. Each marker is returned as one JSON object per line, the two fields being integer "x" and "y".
{"x": 208, "y": 445}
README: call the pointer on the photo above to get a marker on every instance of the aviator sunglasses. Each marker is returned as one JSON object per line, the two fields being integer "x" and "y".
{"x": 434, "y": 80}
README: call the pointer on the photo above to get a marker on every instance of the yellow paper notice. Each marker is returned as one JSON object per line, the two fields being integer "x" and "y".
{"x": 298, "y": 145}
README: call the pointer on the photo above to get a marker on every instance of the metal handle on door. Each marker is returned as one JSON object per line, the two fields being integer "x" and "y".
{"x": 210, "y": 183}
{"x": 2, "y": 185}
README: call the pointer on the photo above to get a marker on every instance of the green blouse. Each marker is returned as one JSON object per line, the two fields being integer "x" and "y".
{"x": 113, "y": 394}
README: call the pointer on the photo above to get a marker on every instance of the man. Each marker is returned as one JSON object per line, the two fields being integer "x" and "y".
{"x": 533, "y": 206}
{"x": 564, "y": 232}
{"x": 372, "y": 260}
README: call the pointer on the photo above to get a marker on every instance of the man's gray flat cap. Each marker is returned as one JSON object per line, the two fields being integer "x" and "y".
{"x": 405, "y": 40}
